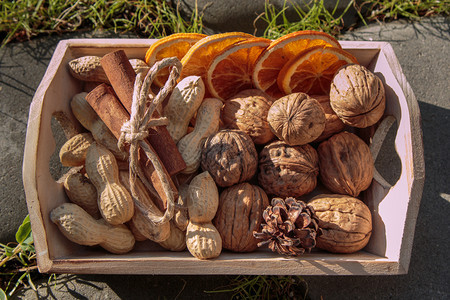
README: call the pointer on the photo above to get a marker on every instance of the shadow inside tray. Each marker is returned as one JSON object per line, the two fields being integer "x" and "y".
{"x": 431, "y": 226}
{"x": 57, "y": 170}
{"x": 388, "y": 163}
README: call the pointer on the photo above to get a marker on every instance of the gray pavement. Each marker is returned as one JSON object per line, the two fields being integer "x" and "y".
{"x": 247, "y": 16}
{"x": 423, "y": 51}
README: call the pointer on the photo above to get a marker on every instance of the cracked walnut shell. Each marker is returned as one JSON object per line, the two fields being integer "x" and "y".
{"x": 230, "y": 157}
{"x": 296, "y": 119}
{"x": 346, "y": 164}
{"x": 357, "y": 96}
{"x": 288, "y": 171}
{"x": 346, "y": 223}
{"x": 240, "y": 213}
{"x": 247, "y": 111}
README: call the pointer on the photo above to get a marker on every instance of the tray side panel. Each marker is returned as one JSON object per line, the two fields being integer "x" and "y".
{"x": 259, "y": 263}
{"x": 416, "y": 163}
{"x": 30, "y": 160}
{"x": 392, "y": 209}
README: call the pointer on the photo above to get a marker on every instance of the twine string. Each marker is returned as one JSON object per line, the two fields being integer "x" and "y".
{"x": 134, "y": 132}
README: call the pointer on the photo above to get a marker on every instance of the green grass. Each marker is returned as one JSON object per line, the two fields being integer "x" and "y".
{"x": 313, "y": 15}
{"x": 20, "y": 20}
{"x": 24, "y": 19}
{"x": 17, "y": 262}
{"x": 393, "y": 10}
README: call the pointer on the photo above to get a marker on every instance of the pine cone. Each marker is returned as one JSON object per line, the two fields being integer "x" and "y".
{"x": 290, "y": 228}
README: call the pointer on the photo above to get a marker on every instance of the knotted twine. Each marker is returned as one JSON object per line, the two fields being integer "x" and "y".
{"x": 134, "y": 132}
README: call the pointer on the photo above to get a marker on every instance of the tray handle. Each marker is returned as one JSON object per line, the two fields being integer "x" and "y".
{"x": 375, "y": 147}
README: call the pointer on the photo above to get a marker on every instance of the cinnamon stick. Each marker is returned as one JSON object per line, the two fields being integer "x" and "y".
{"x": 122, "y": 76}
{"x": 110, "y": 110}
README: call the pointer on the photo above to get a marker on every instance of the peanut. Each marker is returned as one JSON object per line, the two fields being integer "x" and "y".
{"x": 73, "y": 152}
{"x": 181, "y": 218}
{"x": 203, "y": 240}
{"x": 137, "y": 234}
{"x": 88, "y": 68}
{"x": 82, "y": 192}
{"x": 203, "y": 198}
{"x": 176, "y": 240}
{"x": 69, "y": 127}
{"x": 207, "y": 123}
{"x": 114, "y": 201}
{"x": 86, "y": 115}
{"x": 139, "y": 65}
{"x": 79, "y": 227}
{"x": 183, "y": 103}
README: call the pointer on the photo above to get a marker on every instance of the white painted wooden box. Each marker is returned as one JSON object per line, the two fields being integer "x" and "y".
{"x": 394, "y": 209}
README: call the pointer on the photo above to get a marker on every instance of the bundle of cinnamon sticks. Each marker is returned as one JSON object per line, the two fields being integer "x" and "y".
{"x": 113, "y": 104}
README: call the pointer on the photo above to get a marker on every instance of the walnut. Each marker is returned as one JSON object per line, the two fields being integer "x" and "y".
{"x": 288, "y": 171}
{"x": 345, "y": 221}
{"x": 346, "y": 164}
{"x": 296, "y": 119}
{"x": 240, "y": 213}
{"x": 230, "y": 157}
{"x": 357, "y": 96}
{"x": 333, "y": 124}
{"x": 247, "y": 111}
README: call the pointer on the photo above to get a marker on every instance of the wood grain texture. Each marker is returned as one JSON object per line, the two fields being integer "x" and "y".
{"x": 394, "y": 210}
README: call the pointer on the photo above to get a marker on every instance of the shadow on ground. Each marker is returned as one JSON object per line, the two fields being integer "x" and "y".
{"x": 431, "y": 233}
{"x": 130, "y": 287}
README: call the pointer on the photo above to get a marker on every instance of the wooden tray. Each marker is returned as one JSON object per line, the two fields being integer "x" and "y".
{"x": 394, "y": 208}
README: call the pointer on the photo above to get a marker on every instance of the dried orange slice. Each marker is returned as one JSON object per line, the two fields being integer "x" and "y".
{"x": 279, "y": 52}
{"x": 312, "y": 70}
{"x": 231, "y": 69}
{"x": 177, "y": 44}
{"x": 198, "y": 58}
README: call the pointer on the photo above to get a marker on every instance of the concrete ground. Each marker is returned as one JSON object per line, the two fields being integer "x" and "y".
{"x": 423, "y": 50}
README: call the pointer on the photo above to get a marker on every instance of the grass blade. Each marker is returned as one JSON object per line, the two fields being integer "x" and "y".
{"x": 24, "y": 230}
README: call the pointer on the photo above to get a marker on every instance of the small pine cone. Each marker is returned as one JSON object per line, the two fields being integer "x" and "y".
{"x": 290, "y": 228}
